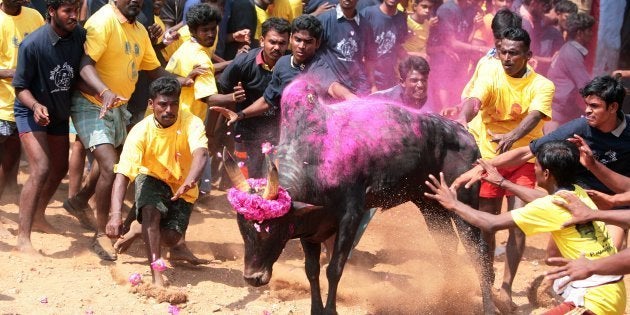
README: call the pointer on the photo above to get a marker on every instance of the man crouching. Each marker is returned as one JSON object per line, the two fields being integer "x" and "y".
{"x": 164, "y": 154}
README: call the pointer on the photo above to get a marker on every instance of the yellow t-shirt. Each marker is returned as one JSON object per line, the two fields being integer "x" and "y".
{"x": 12, "y": 33}
{"x": 261, "y": 17}
{"x": 505, "y": 101}
{"x": 182, "y": 62}
{"x": 163, "y": 153}
{"x": 417, "y": 42}
{"x": 281, "y": 9}
{"x": 120, "y": 50}
{"x": 592, "y": 239}
{"x": 184, "y": 35}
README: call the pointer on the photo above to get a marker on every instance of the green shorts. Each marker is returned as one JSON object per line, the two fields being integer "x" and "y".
{"x": 93, "y": 131}
{"x": 151, "y": 191}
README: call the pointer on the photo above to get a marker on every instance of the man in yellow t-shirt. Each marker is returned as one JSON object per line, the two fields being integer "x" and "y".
{"x": 556, "y": 166}
{"x": 16, "y": 21}
{"x": 116, "y": 48}
{"x": 164, "y": 154}
{"x": 202, "y": 20}
{"x": 419, "y": 22}
{"x": 512, "y": 107}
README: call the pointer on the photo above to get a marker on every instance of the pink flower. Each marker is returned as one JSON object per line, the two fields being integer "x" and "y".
{"x": 266, "y": 147}
{"x": 158, "y": 265}
{"x": 173, "y": 309}
{"x": 135, "y": 279}
{"x": 254, "y": 207}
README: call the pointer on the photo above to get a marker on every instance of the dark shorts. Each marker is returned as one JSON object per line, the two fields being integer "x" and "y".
{"x": 25, "y": 122}
{"x": 151, "y": 191}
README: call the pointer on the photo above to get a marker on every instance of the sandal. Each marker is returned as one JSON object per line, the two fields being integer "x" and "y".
{"x": 80, "y": 214}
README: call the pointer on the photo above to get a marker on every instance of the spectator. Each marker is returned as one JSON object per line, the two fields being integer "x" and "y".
{"x": 164, "y": 155}
{"x": 556, "y": 166}
{"x": 47, "y": 68}
{"x": 253, "y": 71}
{"x": 419, "y": 23}
{"x": 568, "y": 71}
{"x": 413, "y": 88}
{"x": 386, "y": 31}
{"x": 512, "y": 107}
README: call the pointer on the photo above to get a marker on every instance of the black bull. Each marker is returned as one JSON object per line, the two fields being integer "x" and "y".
{"x": 347, "y": 158}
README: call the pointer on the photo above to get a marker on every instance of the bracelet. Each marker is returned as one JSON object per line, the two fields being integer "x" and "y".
{"x": 103, "y": 92}
{"x": 117, "y": 212}
{"x": 501, "y": 182}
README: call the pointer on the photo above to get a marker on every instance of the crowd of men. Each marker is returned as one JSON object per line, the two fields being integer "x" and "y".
{"x": 148, "y": 87}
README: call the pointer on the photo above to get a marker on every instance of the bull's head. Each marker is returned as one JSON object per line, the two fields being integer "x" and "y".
{"x": 265, "y": 219}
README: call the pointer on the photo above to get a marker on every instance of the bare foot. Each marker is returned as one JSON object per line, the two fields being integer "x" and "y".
{"x": 26, "y": 247}
{"x": 43, "y": 226}
{"x": 181, "y": 252}
{"x": 123, "y": 243}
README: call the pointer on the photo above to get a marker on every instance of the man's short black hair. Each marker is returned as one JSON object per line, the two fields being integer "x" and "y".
{"x": 55, "y": 4}
{"x": 562, "y": 159}
{"x": 309, "y": 23}
{"x": 578, "y": 22}
{"x": 164, "y": 86}
{"x": 518, "y": 35}
{"x": 281, "y": 26}
{"x": 503, "y": 20}
{"x": 411, "y": 63}
{"x": 565, "y": 6}
{"x": 608, "y": 89}
{"x": 202, "y": 14}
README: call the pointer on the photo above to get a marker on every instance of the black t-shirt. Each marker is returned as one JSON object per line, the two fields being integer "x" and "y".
{"x": 343, "y": 49}
{"x": 48, "y": 66}
{"x": 311, "y": 5}
{"x": 254, "y": 79}
{"x": 384, "y": 36}
{"x": 242, "y": 16}
{"x": 610, "y": 150}
{"x": 285, "y": 71}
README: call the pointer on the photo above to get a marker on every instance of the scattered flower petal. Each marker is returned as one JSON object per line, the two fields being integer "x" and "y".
{"x": 219, "y": 155}
{"x": 173, "y": 309}
{"x": 267, "y": 228}
{"x": 228, "y": 133}
{"x": 43, "y": 300}
{"x": 241, "y": 164}
{"x": 135, "y": 279}
{"x": 266, "y": 147}
{"x": 158, "y": 265}
{"x": 237, "y": 136}
{"x": 257, "y": 227}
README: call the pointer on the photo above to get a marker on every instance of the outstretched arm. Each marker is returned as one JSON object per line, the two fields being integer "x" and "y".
{"x": 492, "y": 175}
{"x": 114, "y": 225}
{"x": 200, "y": 155}
{"x": 613, "y": 180}
{"x": 582, "y": 213}
{"x": 447, "y": 197}
{"x": 582, "y": 268}
{"x": 505, "y": 141}
{"x": 510, "y": 158}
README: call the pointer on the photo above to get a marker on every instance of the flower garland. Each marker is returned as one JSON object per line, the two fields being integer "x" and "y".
{"x": 254, "y": 207}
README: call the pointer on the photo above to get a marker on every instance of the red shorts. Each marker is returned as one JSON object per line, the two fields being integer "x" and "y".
{"x": 567, "y": 307}
{"x": 522, "y": 175}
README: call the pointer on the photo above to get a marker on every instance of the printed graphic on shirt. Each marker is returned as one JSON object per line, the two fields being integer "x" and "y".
{"x": 62, "y": 76}
{"x": 386, "y": 42}
{"x": 347, "y": 47}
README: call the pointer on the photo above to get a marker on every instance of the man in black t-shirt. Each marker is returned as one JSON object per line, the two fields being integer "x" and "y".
{"x": 253, "y": 71}
{"x": 47, "y": 68}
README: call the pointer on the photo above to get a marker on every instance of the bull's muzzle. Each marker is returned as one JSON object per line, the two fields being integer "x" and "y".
{"x": 257, "y": 279}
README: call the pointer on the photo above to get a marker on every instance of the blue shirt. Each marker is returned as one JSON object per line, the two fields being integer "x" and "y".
{"x": 384, "y": 38}
{"x": 343, "y": 49}
{"x": 610, "y": 148}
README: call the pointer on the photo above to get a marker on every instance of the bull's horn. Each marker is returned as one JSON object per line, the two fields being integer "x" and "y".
{"x": 271, "y": 190}
{"x": 234, "y": 172}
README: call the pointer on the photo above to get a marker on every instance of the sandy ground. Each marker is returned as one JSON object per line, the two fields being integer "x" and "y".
{"x": 395, "y": 269}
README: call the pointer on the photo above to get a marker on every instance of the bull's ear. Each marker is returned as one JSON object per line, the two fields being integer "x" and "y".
{"x": 301, "y": 208}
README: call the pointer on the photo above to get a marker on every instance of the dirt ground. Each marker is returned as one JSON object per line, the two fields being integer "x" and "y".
{"x": 396, "y": 269}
